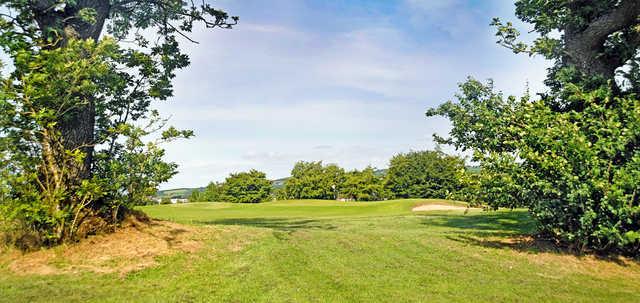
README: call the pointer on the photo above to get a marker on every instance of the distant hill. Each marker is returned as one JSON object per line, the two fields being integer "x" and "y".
{"x": 178, "y": 193}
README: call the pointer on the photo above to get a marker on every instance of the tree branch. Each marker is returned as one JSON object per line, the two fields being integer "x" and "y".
{"x": 623, "y": 17}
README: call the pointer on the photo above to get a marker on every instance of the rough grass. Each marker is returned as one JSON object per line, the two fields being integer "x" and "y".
{"x": 129, "y": 249}
{"x": 325, "y": 251}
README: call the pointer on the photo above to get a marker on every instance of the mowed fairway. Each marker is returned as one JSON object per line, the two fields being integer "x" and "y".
{"x": 327, "y": 251}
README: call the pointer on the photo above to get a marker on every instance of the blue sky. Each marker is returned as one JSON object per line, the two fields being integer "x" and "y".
{"x": 345, "y": 82}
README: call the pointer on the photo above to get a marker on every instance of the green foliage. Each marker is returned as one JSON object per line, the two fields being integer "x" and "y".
{"x": 412, "y": 175}
{"x": 470, "y": 189}
{"x": 583, "y": 169}
{"x": 313, "y": 180}
{"x": 278, "y": 193}
{"x": 211, "y": 193}
{"x": 44, "y": 189}
{"x": 137, "y": 167}
{"x": 588, "y": 42}
{"x": 363, "y": 186}
{"x": 195, "y": 196}
{"x": 577, "y": 171}
{"x": 74, "y": 109}
{"x": 572, "y": 156}
{"x": 246, "y": 187}
{"x": 424, "y": 174}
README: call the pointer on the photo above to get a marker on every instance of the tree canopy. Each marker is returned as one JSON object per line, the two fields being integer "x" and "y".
{"x": 313, "y": 180}
{"x": 424, "y": 174}
{"x": 74, "y": 108}
{"x": 572, "y": 155}
{"x": 246, "y": 187}
{"x": 363, "y": 185}
{"x": 212, "y": 192}
{"x": 597, "y": 40}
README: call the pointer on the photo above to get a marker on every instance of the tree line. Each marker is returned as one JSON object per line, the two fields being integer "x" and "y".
{"x": 418, "y": 174}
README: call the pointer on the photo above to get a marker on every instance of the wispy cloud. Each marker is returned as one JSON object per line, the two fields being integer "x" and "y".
{"x": 282, "y": 86}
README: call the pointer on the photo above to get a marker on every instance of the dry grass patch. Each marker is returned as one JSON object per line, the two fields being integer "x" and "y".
{"x": 131, "y": 248}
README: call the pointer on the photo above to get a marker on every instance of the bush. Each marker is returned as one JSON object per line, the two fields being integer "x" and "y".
{"x": 246, "y": 187}
{"x": 313, "y": 180}
{"x": 424, "y": 174}
{"x": 195, "y": 196}
{"x": 363, "y": 186}
{"x": 212, "y": 193}
{"x": 279, "y": 194}
{"x": 576, "y": 171}
{"x": 470, "y": 189}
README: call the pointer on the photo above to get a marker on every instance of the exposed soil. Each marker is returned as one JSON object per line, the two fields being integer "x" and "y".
{"x": 428, "y": 207}
{"x": 129, "y": 249}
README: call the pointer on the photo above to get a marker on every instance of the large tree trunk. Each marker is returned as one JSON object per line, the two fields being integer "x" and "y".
{"x": 585, "y": 48}
{"x": 77, "y": 127}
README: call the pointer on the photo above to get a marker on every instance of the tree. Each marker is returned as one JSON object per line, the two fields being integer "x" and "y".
{"x": 73, "y": 108}
{"x": 195, "y": 196}
{"x": 363, "y": 185}
{"x": 424, "y": 174}
{"x": 279, "y": 193}
{"x": 597, "y": 38}
{"x": 246, "y": 187}
{"x": 576, "y": 171}
{"x": 470, "y": 190}
{"x": 211, "y": 193}
{"x": 572, "y": 155}
{"x": 313, "y": 180}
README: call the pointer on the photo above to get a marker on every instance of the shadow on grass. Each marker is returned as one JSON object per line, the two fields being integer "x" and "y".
{"x": 503, "y": 223}
{"x": 532, "y": 245}
{"x": 281, "y": 225}
{"x": 513, "y": 230}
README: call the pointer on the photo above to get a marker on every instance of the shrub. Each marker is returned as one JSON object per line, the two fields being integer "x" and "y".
{"x": 313, "y": 180}
{"x": 424, "y": 174}
{"x": 212, "y": 193}
{"x": 576, "y": 171}
{"x": 246, "y": 187}
{"x": 363, "y": 186}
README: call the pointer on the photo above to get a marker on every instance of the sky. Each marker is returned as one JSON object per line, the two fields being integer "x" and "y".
{"x": 345, "y": 82}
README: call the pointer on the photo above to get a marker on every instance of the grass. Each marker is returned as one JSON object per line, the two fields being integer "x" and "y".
{"x": 325, "y": 251}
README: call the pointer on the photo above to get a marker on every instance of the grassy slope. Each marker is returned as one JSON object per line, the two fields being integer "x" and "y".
{"x": 320, "y": 251}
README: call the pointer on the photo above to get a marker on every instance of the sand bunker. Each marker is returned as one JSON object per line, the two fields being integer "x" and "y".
{"x": 429, "y": 207}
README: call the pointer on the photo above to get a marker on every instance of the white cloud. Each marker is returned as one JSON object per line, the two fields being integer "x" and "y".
{"x": 268, "y": 93}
